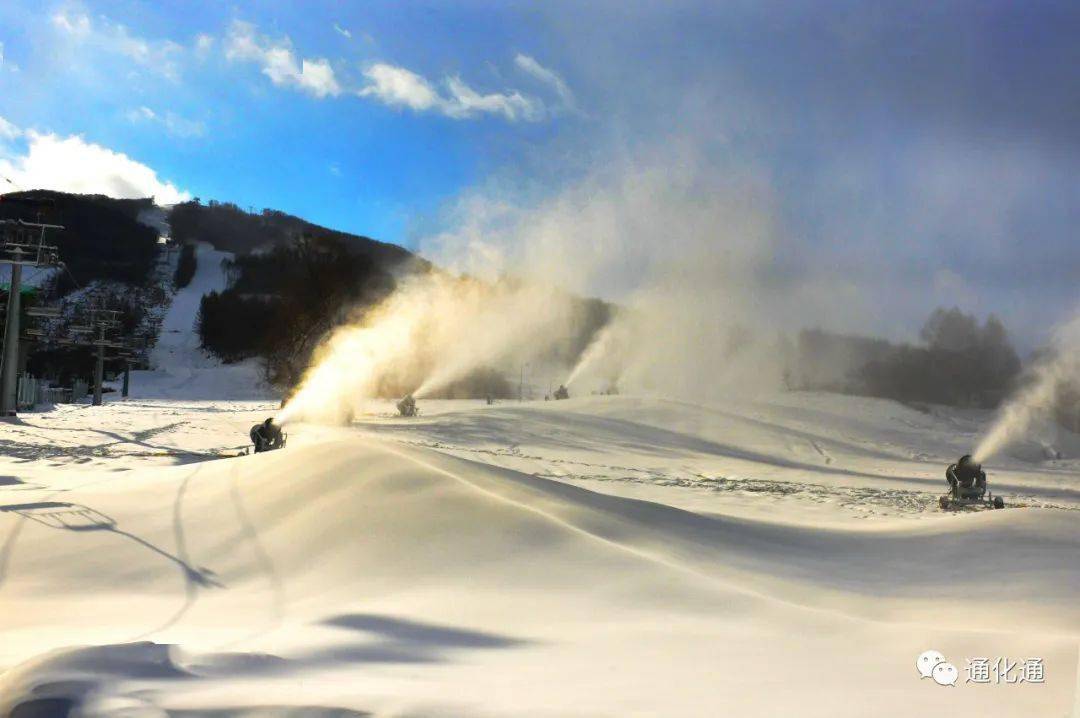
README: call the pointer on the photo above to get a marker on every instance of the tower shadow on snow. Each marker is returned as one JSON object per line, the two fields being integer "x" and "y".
{"x": 79, "y": 518}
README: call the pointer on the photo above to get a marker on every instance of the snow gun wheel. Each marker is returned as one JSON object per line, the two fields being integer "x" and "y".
{"x": 999, "y": 503}
{"x": 943, "y": 502}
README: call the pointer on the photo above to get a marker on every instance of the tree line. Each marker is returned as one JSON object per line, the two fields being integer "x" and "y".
{"x": 280, "y": 303}
{"x": 958, "y": 362}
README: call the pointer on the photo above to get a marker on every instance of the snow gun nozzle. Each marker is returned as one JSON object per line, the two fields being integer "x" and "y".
{"x": 266, "y": 435}
{"x": 968, "y": 461}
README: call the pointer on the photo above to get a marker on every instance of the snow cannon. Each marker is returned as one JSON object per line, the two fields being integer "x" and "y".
{"x": 562, "y": 392}
{"x": 267, "y": 436}
{"x": 967, "y": 487}
{"x": 407, "y": 406}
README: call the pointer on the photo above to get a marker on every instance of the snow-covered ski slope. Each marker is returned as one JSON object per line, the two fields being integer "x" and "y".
{"x": 609, "y": 556}
{"x": 180, "y": 369}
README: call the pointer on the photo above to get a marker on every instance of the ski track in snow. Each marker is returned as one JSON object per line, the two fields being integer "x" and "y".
{"x": 647, "y": 557}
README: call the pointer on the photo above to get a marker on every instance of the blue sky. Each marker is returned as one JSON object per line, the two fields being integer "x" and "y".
{"x": 177, "y": 88}
{"x": 927, "y": 152}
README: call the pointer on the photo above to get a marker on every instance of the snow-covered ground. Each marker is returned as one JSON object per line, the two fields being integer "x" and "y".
{"x": 605, "y": 556}
{"x": 180, "y": 369}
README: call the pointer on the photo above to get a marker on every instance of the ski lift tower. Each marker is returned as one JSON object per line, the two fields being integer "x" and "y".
{"x": 104, "y": 320}
{"x": 21, "y": 244}
{"x": 101, "y": 322}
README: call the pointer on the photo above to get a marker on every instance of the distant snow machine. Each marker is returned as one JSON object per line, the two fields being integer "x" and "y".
{"x": 267, "y": 436}
{"x": 562, "y": 392}
{"x": 967, "y": 486}
{"x": 407, "y": 406}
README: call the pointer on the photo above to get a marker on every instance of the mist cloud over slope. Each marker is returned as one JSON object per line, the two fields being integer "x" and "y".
{"x": 687, "y": 257}
{"x": 840, "y": 180}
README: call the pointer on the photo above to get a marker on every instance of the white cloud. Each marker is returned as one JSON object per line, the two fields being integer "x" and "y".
{"x": 141, "y": 113}
{"x": 279, "y": 62}
{"x": 8, "y": 131}
{"x": 389, "y": 84}
{"x": 318, "y": 77}
{"x": 71, "y": 164}
{"x": 550, "y": 77}
{"x": 173, "y": 123}
{"x": 203, "y": 44}
{"x": 467, "y": 102}
{"x": 76, "y": 24}
{"x": 400, "y": 87}
{"x": 103, "y": 35}
{"x": 344, "y": 32}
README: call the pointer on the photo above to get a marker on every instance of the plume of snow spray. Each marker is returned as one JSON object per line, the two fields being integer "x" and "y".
{"x": 1060, "y": 368}
{"x": 605, "y": 355}
{"x": 686, "y": 252}
{"x": 433, "y": 330}
{"x": 351, "y": 363}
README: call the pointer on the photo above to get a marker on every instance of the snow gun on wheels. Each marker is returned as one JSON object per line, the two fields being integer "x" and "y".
{"x": 967, "y": 486}
{"x": 267, "y": 436}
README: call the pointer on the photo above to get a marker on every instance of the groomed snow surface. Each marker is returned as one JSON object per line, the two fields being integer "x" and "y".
{"x": 607, "y": 556}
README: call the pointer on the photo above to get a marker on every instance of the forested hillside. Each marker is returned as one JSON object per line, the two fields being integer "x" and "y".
{"x": 102, "y": 237}
{"x": 231, "y": 229}
{"x": 291, "y": 281}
